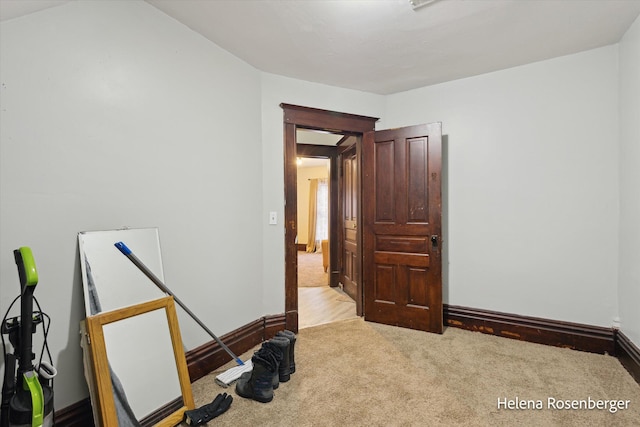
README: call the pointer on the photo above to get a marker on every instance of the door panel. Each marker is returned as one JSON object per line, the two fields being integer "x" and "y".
{"x": 350, "y": 273}
{"x": 402, "y": 227}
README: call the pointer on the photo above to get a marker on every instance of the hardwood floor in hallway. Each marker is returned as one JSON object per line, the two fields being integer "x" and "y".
{"x": 323, "y": 304}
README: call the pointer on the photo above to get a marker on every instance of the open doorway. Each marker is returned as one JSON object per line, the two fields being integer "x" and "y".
{"x": 313, "y": 221}
{"x": 396, "y": 233}
{"x": 318, "y": 301}
{"x": 342, "y": 125}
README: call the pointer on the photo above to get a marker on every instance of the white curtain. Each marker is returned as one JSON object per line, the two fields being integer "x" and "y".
{"x": 318, "y": 214}
{"x": 322, "y": 213}
{"x": 313, "y": 205}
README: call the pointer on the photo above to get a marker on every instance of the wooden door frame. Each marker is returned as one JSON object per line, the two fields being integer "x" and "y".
{"x": 295, "y": 117}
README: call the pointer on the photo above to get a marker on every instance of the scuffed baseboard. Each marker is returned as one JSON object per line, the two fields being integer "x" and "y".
{"x": 593, "y": 339}
{"x": 628, "y": 354}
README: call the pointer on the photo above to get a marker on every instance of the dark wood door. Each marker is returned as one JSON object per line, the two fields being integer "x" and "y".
{"x": 350, "y": 262}
{"x": 401, "y": 193}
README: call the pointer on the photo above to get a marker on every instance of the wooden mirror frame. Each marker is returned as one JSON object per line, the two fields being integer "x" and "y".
{"x": 100, "y": 362}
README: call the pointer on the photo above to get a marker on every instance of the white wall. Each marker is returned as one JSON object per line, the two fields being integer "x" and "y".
{"x": 629, "y": 286}
{"x": 277, "y": 90}
{"x": 532, "y": 185}
{"x": 113, "y": 114}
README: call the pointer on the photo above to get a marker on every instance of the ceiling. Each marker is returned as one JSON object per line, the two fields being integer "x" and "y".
{"x": 312, "y": 162}
{"x": 385, "y": 46}
{"x": 313, "y": 137}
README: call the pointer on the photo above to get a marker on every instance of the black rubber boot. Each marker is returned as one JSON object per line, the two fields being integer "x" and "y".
{"x": 284, "y": 369}
{"x": 259, "y": 384}
{"x": 292, "y": 341}
{"x": 273, "y": 350}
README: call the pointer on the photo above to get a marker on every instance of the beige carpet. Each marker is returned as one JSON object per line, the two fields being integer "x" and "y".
{"x": 356, "y": 373}
{"x": 310, "y": 270}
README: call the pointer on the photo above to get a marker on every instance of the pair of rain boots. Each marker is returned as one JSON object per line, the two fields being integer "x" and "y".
{"x": 273, "y": 363}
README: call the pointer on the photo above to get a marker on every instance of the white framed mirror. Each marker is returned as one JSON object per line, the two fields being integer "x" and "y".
{"x": 110, "y": 281}
{"x": 116, "y": 346}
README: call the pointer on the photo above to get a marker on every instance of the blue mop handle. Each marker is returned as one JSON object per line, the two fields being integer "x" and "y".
{"x": 123, "y": 248}
{"x": 134, "y": 259}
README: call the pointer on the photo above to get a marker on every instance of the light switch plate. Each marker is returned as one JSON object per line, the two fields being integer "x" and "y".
{"x": 273, "y": 218}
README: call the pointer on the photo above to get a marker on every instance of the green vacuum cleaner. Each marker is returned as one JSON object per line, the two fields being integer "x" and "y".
{"x": 27, "y": 395}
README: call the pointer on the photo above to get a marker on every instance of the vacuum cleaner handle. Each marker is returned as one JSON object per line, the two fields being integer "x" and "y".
{"x": 28, "y": 281}
{"x": 26, "y": 267}
{"x": 135, "y": 260}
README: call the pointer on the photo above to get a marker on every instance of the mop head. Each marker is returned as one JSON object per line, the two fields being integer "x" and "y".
{"x": 227, "y": 378}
